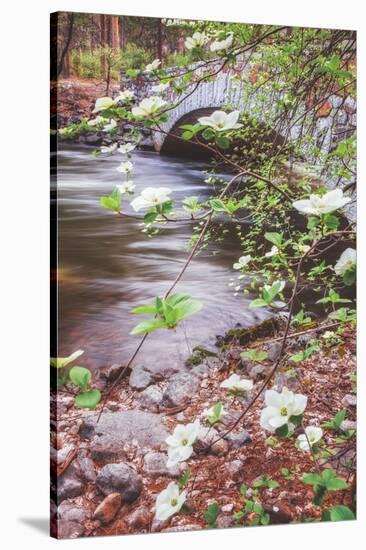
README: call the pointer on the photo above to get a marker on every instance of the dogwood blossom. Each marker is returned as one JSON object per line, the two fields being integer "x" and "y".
{"x": 151, "y": 197}
{"x": 281, "y": 407}
{"x": 160, "y": 88}
{"x": 103, "y": 103}
{"x": 242, "y": 262}
{"x": 125, "y": 167}
{"x": 218, "y": 45}
{"x": 148, "y": 106}
{"x": 110, "y": 126}
{"x": 126, "y": 148}
{"x": 316, "y": 205}
{"x": 313, "y": 435}
{"x": 169, "y": 502}
{"x": 180, "y": 444}
{"x": 198, "y": 39}
{"x": 152, "y": 66}
{"x": 237, "y": 384}
{"x": 346, "y": 261}
{"x": 125, "y": 95}
{"x": 272, "y": 252}
{"x": 97, "y": 120}
{"x": 109, "y": 148}
{"x": 126, "y": 187}
{"x": 221, "y": 121}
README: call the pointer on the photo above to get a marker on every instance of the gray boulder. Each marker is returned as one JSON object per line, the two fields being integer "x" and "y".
{"x": 119, "y": 478}
{"x": 140, "y": 378}
{"x": 151, "y": 398}
{"x": 180, "y": 390}
{"x": 155, "y": 466}
{"x": 104, "y": 448}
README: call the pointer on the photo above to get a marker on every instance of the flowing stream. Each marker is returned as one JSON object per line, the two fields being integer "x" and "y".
{"x": 107, "y": 265}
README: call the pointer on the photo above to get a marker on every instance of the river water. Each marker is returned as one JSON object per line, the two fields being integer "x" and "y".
{"x": 107, "y": 265}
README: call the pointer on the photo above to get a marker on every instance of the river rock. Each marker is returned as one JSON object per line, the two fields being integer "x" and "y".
{"x": 155, "y": 466}
{"x": 349, "y": 400}
{"x": 237, "y": 440}
{"x": 119, "y": 478}
{"x": 106, "y": 447}
{"x": 111, "y": 373}
{"x": 140, "y": 378}
{"x": 87, "y": 470}
{"x": 201, "y": 371}
{"x": 64, "y": 529}
{"x": 93, "y": 139}
{"x": 108, "y": 508}
{"x": 69, "y": 484}
{"x": 135, "y": 427}
{"x": 274, "y": 351}
{"x": 71, "y": 512}
{"x": 180, "y": 390}
{"x": 140, "y": 518}
{"x": 151, "y": 398}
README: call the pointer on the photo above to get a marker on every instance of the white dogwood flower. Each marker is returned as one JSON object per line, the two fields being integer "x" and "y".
{"x": 97, "y": 120}
{"x": 198, "y": 39}
{"x": 149, "y": 106}
{"x": 151, "y": 197}
{"x": 110, "y": 126}
{"x": 316, "y": 205}
{"x": 169, "y": 502}
{"x": 102, "y": 104}
{"x": 160, "y": 88}
{"x": 109, "y": 148}
{"x": 125, "y": 167}
{"x": 280, "y": 407}
{"x": 180, "y": 444}
{"x": 125, "y": 95}
{"x": 242, "y": 262}
{"x": 274, "y": 250}
{"x": 126, "y": 148}
{"x": 221, "y": 121}
{"x": 152, "y": 66}
{"x": 313, "y": 435}
{"x": 127, "y": 187}
{"x": 346, "y": 261}
{"x": 237, "y": 384}
{"x": 218, "y": 45}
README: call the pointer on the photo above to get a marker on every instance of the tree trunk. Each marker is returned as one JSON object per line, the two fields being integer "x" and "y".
{"x": 159, "y": 41}
{"x": 64, "y": 53}
{"x": 122, "y": 34}
{"x": 102, "y": 44}
{"x": 115, "y": 32}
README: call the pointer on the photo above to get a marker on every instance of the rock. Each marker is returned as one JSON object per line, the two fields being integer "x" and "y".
{"x": 274, "y": 351}
{"x": 237, "y": 440}
{"x": 235, "y": 469}
{"x": 106, "y": 447}
{"x": 151, "y": 398}
{"x": 349, "y": 400}
{"x": 227, "y": 508}
{"x": 64, "y": 529}
{"x": 108, "y": 508}
{"x": 113, "y": 372}
{"x": 258, "y": 372}
{"x": 87, "y": 469}
{"x": 224, "y": 521}
{"x": 279, "y": 513}
{"x": 186, "y": 527}
{"x": 247, "y": 364}
{"x": 71, "y": 512}
{"x": 348, "y": 425}
{"x": 201, "y": 371}
{"x": 93, "y": 139}
{"x": 157, "y": 525}
{"x": 210, "y": 439}
{"x": 181, "y": 388}
{"x": 113, "y": 406}
{"x": 155, "y": 466}
{"x": 119, "y": 478}
{"x": 139, "y": 518}
{"x": 139, "y": 428}
{"x": 140, "y": 378}
{"x": 59, "y": 456}
{"x": 69, "y": 484}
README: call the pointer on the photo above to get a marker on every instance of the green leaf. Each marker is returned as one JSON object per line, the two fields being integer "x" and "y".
{"x": 274, "y": 238}
{"x": 341, "y": 513}
{"x": 336, "y": 484}
{"x": 182, "y": 482}
{"x": 207, "y": 134}
{"x": 211, "y": 514}
{"x": 80, "y": 376}
{"x": 223, "y": 142}
{"x": 150, "y": 216}
{"x": 110, "y": 203}
{"x": 254, "y": 355}
{"x": 282, "y": 431}
{"x": 218, "y": 205}
{"x": 61, "y": 362}
{"x": 312, "y": 479}
{"x": 149, "y": 326}
{"x": 187, "y": 135}
{"x": 349, "y": 277}
{"x": 187, "y": 307}
{"x": 144, "y": 308}
{"x": 88, "y": 399}
{"x": 332, "y": 222}
{"x": 313, "y": 221}
{"x": 258, "y": 302}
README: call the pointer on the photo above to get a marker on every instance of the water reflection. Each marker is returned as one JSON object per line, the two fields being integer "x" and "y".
{"x": 107, "y": 266}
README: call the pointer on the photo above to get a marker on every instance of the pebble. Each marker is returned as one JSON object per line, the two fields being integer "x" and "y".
{"x": 119, "y": 478}
{"x": 108, "y": 508}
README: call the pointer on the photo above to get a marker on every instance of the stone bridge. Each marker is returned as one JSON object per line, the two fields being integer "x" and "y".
{"x": 334, "y": 120}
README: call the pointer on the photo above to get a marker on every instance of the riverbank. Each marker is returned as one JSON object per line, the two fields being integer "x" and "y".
{"x": 109, "y": 473}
